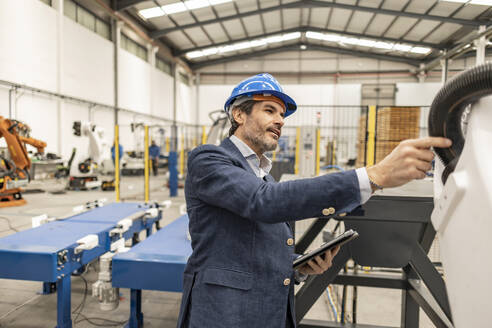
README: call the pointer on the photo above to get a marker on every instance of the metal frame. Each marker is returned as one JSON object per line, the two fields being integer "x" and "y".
{"x": 295, "y": 47}
{"x": 416, "y": 273}
{"x": 304, "y": 29}
{"x": 320, "y": 4}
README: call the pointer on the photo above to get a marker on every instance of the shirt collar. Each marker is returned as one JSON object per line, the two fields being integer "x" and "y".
{"x": 263, "y": 163}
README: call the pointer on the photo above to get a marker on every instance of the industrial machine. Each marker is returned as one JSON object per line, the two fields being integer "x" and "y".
{"x": 462, "y": 111}
{"x": 14, "y": 171}
{"x": 53, "y": 251}
{"x": 83, "y": 169}
{"x": 132, "y": 162}
{"x": 220, "y": 127}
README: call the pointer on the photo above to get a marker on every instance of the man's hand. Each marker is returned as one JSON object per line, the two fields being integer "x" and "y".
{"x": 321, "y": 263}
{"x": 410, "y": 160}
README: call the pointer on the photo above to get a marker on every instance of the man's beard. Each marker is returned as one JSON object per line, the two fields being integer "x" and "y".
{"x": 259, "y": 140}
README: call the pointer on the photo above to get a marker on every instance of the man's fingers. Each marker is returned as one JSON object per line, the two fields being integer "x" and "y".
{"x": 334, "y": 251}
{"x": 423, "y": 166}
{"x": 425, "y": 155}
{"x": 316, "y": 268}
{"x": 431, "y": 142}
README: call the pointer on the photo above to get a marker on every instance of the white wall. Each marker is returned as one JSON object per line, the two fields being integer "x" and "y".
{"x": 87, "y": 64}
{"x": 162, "y": 94}
{"x": 28, "y": 41}
{"x": 213, "y": 97}
{"x": 29, "y": 46}
{"x": 416, "y": 94}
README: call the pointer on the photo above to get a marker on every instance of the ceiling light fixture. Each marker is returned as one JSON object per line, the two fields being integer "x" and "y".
{"x": 342, "y": 40}
{"x": 179, "y": 7}
{"x": 471, "y": 2}
{"x": 243, "y": 45}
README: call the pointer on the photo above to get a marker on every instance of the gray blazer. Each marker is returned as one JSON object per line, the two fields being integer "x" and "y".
{"x": 240, "y": 272}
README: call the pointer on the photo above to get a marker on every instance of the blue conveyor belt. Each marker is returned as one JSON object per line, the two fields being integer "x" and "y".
{"x": 158, "y": 262}
{"x": 33, "y": 254}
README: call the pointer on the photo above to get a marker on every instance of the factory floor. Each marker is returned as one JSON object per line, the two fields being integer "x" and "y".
{"x": 21, "y": 305}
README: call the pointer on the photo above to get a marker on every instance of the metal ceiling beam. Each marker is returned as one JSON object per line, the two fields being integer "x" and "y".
{"x": 295, "y": 47}
{"x": 457, "y": 50}
{"x": 319, "y": 4}
{"x": 123, "y": 4}
{"x": 159, "y": 33}
{"x": 322, "y": 4}
{"x": 303, "y": 29}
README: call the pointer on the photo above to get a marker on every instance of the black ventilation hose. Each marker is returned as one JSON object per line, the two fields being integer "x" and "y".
{"x": 447, "y": 110}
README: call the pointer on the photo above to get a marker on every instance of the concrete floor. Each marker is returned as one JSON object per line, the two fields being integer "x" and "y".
{"x": 21, "y": 305}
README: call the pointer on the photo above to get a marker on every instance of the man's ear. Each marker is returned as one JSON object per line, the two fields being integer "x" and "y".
{"x": 238, "y": 115}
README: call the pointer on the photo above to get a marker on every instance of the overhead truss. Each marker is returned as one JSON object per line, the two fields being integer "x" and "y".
{"x": 296, "y": 47}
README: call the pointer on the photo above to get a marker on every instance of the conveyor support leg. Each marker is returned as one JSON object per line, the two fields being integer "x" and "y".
{"x": 63, "y": 286}
{"x": 136, "y": 315}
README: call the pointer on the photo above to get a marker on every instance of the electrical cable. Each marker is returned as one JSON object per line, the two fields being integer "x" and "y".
{"x": 78, "y": 310}
{"x": 9, "y": 223}
{"x": 332, "y": 304}
{"x": 82, "y": 303}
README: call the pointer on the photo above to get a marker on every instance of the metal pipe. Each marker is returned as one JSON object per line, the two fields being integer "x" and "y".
{"x": 117, "y": 163}
{"x": 146, "y": 163}
{"x": 85, "y": 102}
{"x": 457, "y": 50}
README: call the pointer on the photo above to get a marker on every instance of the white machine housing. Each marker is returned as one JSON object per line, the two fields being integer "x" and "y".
{"x": 462, "y": 217}
{"x": 98, "y": 150}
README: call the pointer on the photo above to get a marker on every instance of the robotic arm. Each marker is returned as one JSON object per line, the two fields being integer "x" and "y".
{"x": 15, "y": 173}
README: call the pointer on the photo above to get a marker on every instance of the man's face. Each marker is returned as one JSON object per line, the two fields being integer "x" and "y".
{"x": 262, "y": 128}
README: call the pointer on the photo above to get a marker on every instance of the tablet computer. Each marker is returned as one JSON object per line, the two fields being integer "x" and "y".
{"x": 338, "y": 241}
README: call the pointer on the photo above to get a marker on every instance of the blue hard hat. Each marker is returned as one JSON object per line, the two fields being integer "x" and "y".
{"x": 264, "y": 84}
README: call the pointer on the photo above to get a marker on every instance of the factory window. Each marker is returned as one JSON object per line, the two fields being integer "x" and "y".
{"x": 163, "y": 65}
{"x": 70, "y": 9}
{"x": 48, "y": 2}
{"x": 103, "y": 29}
{"x": 184, "y": 78}
{"x": 133, "y": 47}
{"x": 86, "y": 18}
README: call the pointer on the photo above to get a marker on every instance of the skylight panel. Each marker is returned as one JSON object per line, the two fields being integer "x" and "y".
{"x": 367, "y": 42}
{"x": 179, "y": 7}
{"x": 151, "y": 12}
{"x": 243, "y": 45}
{"x": 472, "y": 2}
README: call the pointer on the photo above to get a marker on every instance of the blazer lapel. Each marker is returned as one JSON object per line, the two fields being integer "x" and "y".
{"x": 236, "y": 154}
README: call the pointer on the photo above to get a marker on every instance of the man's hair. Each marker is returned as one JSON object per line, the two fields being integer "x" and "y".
{"x": 245, "y": 107}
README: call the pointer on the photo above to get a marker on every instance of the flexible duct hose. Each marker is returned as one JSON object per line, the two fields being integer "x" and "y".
{"x": 445, "y": 117}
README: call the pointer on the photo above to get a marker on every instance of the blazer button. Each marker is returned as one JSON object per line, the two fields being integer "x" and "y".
{"x": 326, "y": 211}
{"x": 287, "y": 282}
{"x": 331, "y": 210}
{"x": 290, "y": 241}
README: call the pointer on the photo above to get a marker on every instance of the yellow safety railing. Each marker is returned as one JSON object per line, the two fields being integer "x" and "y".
{"x": 371, "y": 136}
{"x": 318, "y": 149}
{"x": 204, "y": 135}
{"x": 167, "y": 145}
{"x": 117, "y": 163}
{"x": 181, "y": 157}
{"x": 298, "y": 138}
{"x": 146, "y": 164}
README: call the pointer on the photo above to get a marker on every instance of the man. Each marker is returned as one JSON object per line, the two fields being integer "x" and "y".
{"x": 154, "y": 152}
{"x": 240, "y": 272}
{"x": 120, "y": 153}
